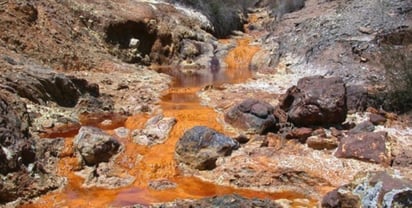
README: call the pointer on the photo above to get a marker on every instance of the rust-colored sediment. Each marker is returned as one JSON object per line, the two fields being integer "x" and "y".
{"x": 238, "y": 60}
{"x": 156, "y": 162}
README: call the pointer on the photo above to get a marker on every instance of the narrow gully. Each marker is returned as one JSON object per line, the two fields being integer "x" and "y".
{"x": 157, "y": 162}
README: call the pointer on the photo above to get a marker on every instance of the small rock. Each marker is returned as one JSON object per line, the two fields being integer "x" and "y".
{"x": 321, "y": 143}
{"x": 242, "y": 139}
{"x": 122, "y": 86}
{"x": 366, "y": 30}
{"x": 365, "y": 126}
{"x": 377, "y": 119}
{"x": 201, "y": 146}
{"x": 134, "y": 43}
{"x": 319, "y": 132}
{"x": 122, "y": 132}
{"x": 162, "y": 184}
{"x": 300, "y": 133}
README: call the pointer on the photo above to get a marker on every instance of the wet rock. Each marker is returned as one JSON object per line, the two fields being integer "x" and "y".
{"x": 373, "y": 189}
{"x": 162, "y": 184}
{"x": 365, "y": 126}
{"x": 356, "y": 98}
{"x": 156, "y": 130}
{"x": 321, "y": 143}
{"x": 377, "y": 119}
{"x": 95, "y": 146}
{"x": 230, "y": 201}
{"x": 316, "y": 101}
{"x": 252, "y": 116}
{"x": 366, "y": 146}
{"x": 200, "y": 147}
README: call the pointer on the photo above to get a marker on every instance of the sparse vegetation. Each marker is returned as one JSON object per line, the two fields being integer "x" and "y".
{"x": 225, "y": 16}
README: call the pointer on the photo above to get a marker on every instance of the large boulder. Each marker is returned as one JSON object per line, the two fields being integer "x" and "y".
{"x": 367, "y": 146}
{"x": 253, "y": 116}
{"x": 373, "y": 189}
{"x": 200, "y": 147}
{"x": 95, "y": 146}
{"x": 316, "y": 100}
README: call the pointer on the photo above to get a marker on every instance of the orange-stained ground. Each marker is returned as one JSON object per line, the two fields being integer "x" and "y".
{"x": 156, "y": 162}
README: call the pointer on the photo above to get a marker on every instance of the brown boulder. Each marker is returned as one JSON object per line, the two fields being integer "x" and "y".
{"x": 316, "y": 101}
{"x": 252, "y": 116}
{"x": 367, "y": 146}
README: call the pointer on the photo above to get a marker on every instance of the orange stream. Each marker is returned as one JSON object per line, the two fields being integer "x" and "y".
{"x": 157, "y": 161}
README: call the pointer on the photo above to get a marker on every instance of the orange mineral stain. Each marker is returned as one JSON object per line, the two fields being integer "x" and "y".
{"x": 238, "y": 60}
{"x": 147, "y": 163}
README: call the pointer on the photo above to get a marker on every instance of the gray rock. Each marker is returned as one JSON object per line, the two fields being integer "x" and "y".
{"x": 95, "y": 146}
{"x": 162, "y": 184}
{"x": 156, "y": 130}
{"x": 365, "y": 126}
{"x": 200, "y": 147}
{"x": 252, "y": 116}
{"x": 377, "y": 119}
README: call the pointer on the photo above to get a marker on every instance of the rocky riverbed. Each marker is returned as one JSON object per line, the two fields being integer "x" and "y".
{"x": 268, "y": 103}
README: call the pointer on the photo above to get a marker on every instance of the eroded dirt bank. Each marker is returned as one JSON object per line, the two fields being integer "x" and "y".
{"x": 99, "y": 100}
